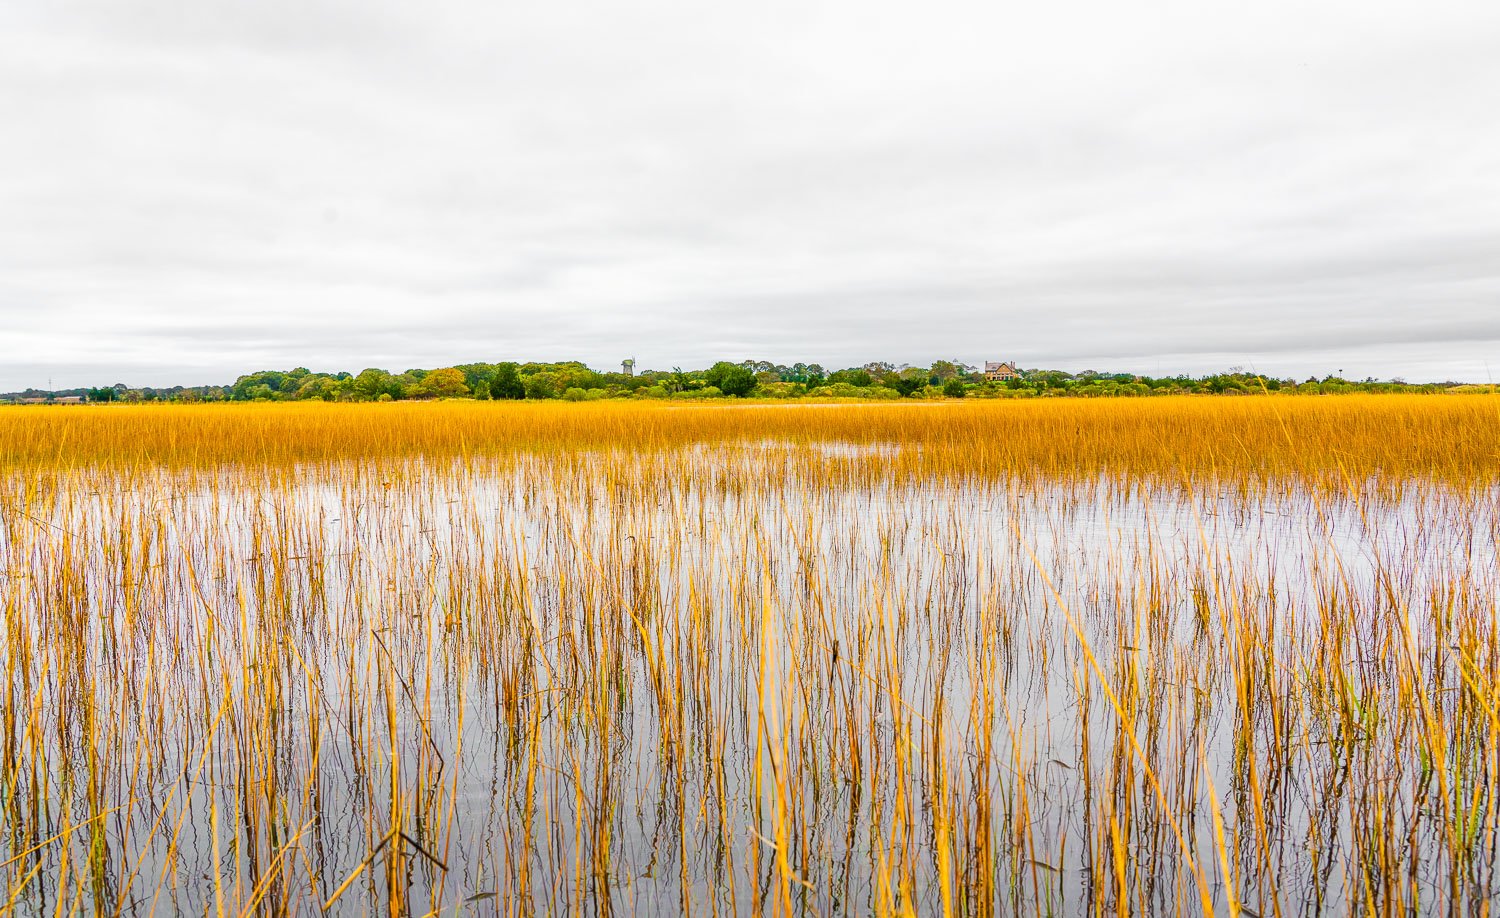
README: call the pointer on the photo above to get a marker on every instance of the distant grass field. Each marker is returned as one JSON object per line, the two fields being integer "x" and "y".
{"x": 1072, "y": 657}
{"x": 1455, "y": 438}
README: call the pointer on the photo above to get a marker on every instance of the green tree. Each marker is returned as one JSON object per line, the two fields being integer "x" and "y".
{"x": 854, "y": 377}
{"x": 904, "y": 385}
{"x": 371, "y": 384}
{"x": 292, "y": 381}
{"x": 580, "y": 377}
{"x": 254, "y": 382}
{"x": 955, "y": 388}
{"x": 540, "y": 385}
{"x": 316, "y": 386}
{"x": 507, "y": 382}
{"x": 944, "y": 370}
{"x": 730, "y": 378}
{"x": 447, "y": 382}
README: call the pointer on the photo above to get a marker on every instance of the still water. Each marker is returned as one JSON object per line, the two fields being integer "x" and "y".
{"x": 738, "y": 680}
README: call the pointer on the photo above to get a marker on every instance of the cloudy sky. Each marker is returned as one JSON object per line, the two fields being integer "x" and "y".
{"x": 190, "y": 189}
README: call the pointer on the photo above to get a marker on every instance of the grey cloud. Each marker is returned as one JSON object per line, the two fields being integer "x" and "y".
{"x": 189, "y": 191}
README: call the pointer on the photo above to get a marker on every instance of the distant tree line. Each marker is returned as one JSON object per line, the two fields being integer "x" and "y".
{"x": 573, "y": 381}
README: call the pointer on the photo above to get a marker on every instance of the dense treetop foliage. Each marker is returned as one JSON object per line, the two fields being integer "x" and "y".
{"x": 573, "y": 381}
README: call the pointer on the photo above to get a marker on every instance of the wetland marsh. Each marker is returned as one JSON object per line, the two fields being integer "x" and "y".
{"x": 1175, "y": 657}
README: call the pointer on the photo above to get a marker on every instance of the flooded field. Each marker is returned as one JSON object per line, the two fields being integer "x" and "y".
{"x": 1069, "y": 659}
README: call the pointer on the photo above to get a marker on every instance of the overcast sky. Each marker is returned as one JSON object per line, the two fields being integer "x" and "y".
{"x": 191, "y": 189}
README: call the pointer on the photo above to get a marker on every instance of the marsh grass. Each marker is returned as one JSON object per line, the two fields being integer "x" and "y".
{"x": 1168, "y": 657}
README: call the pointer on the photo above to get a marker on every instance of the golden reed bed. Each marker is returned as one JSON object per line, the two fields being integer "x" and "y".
{"x": 1455, "y": 438}
{"x": 1176, "y": 656}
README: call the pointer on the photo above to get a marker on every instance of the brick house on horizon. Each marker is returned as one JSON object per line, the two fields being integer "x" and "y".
{"x": 1000, "y": 372}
